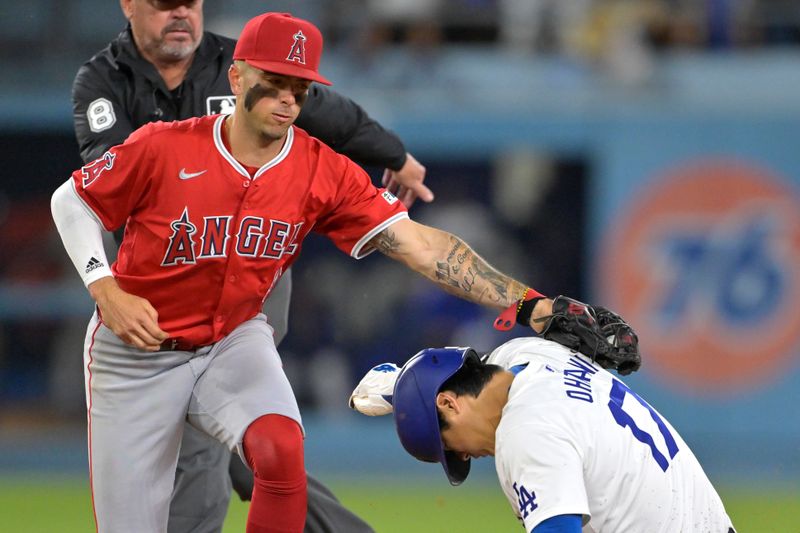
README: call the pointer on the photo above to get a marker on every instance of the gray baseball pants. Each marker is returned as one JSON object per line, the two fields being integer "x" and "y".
{"x": 207, "y": 471}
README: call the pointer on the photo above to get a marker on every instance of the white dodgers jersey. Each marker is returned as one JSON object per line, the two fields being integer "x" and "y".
{"x": 574, "y": 439}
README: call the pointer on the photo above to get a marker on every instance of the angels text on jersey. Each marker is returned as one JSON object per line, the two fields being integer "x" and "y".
{"x": 255, "y": 237}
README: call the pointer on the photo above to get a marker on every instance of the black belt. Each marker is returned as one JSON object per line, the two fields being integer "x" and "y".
{"x": 178, "y": 345}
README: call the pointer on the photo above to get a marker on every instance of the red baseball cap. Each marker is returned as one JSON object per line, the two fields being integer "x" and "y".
{"x": 283, "y": 44}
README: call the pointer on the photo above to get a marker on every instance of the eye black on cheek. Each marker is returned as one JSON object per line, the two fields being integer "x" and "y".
{"x": 256, "y": 93}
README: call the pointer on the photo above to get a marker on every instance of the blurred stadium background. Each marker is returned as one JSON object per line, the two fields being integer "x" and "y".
{"x": 643, "y": 154}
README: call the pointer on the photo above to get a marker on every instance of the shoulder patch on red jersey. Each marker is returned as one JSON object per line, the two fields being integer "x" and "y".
{"x": 92, "y": 171}
{"x": 389, "y": 197}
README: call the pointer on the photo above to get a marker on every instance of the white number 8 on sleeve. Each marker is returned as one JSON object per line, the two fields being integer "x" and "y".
{"x": 100, "y": 115}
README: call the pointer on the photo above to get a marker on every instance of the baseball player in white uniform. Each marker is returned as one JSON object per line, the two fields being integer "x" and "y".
{"x": 575, "y": 448}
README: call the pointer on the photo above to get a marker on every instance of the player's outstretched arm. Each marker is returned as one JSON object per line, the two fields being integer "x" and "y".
{"x": 449, "y": 262}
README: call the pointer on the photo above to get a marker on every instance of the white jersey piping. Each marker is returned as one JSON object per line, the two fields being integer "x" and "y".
{"x": 287, "y": 146}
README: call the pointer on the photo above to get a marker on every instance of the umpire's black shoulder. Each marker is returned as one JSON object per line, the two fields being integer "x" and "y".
{"x": 108, "y": 56}
{"x": 94, "y": 76}
{"x": 99, "y": 63}
{"x": 215, "y": 43}
{"x": 99, "y": 68}
{"x": 221, "y": 40}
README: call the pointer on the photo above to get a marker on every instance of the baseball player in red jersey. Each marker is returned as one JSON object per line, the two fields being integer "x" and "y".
{"x": 216, "y": 208}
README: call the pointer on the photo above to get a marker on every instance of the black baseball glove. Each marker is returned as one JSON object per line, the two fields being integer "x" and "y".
{"x": 594, "y": 331}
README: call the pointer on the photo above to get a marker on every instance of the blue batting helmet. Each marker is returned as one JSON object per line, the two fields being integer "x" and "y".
{"x": 415, "y": 413}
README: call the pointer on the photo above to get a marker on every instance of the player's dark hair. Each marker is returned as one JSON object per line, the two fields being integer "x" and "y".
{"x": 470, "y": 380}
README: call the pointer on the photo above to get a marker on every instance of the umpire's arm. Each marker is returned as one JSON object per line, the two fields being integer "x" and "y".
{"x": 449, "y": 262}
{"x": 100, "y": 119}
{"x": 346, "y": 127}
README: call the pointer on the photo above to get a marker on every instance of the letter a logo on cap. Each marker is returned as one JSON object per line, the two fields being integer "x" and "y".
{"x": 298, "y": 51}
{"x": 282, "y": 44}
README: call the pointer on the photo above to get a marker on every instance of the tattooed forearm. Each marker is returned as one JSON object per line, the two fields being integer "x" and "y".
{"x": 457, "y": 245}
{"x": 444, "y": 274}
{"x": 497, "y": 280}
{"x": 464, "y": 273}
{"x": 386, "y": 242}
{"x": 449, "y": 262}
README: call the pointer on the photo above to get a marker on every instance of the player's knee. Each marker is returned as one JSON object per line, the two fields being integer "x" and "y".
{"x": 273, "y": 447}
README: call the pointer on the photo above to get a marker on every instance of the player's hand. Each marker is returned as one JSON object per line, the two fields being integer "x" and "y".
{"x": 130, "y": 317}
{"x": 406, "y": 183}
{"x": 373, "y": 394}
{"x": 543, "y": 308}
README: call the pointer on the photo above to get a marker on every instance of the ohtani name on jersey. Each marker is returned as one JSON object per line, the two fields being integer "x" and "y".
{"x": 254, "y": 237}
{"x": 578, "y": 379}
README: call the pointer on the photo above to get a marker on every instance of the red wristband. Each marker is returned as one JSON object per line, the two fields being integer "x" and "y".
{"x": 508, "y": 318}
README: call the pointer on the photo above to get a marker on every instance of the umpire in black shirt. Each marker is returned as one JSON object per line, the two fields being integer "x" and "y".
{"x": 163, "y": 66}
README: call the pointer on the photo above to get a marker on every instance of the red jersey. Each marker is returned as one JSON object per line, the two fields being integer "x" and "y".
{"x": 204, "y": 241}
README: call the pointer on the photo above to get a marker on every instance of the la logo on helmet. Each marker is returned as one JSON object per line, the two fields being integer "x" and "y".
{"x": 298, "y": 51}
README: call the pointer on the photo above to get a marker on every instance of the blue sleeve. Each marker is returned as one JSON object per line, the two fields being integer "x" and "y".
{"x": 563, "y": 523}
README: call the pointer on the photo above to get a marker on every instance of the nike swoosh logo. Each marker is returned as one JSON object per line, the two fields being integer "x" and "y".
{"x": 187, "y": 176}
